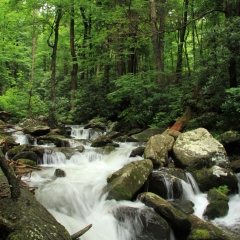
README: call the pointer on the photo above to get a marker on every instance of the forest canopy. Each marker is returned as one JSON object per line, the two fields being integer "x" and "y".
{"x": 141, "y": 61}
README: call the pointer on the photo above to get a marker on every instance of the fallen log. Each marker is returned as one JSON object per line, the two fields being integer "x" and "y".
{"x": 81, "y": 232}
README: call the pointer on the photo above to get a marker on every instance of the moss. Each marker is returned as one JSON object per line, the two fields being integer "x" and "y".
{"x": 200, "y": 234}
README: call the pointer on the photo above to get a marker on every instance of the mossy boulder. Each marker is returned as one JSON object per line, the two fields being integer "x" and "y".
{"x": 26, "y": 155}
{"x": 183, "y": 204}
{"x": 218, "y": 204}
{"x": 18, "y": 149}
{"x": 145, "y": 135}
{"x": 126, "y": 182}
{"x": 100, "y": 141}
{"x": 208, "y": 178}
{"x": 157, "y": 149}
{"x": 202, "y": 230}
{"x": 58, "y": 140}
{"x": 178, "y": 220}
{"x": 27, "y": 162}
{"x": 27, "y": 219}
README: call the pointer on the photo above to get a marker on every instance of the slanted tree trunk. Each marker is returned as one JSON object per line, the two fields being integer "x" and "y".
{"x": 54, "y": 45}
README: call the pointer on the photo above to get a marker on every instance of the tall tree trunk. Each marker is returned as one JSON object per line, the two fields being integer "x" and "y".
{"x": 54, "y": 45}
{"x": 34, "y": 41}
{"x": 182, "y": 32}
{"x": 158, "y": 37}
{"x": 74, "y": 58}
{"x": 232, "y": 10}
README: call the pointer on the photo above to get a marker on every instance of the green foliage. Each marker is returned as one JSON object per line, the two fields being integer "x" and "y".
{"x": 15, "y": 101}
{"x": 144, "y": 102}
{"x": 231, "y": 105}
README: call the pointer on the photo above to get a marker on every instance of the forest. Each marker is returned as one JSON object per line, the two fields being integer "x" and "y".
{"x": 143, "y": 62}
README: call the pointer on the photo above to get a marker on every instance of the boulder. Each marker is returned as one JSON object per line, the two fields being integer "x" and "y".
{"x": 208, "y": 178}
{"x": 26, "y": 155}
{"x": 204, "y": 230}
{"x": 146, "y": 222}
{"x": 18, "y": 149}
{"x": 183, "y": 205}
{"x": 37, "y": 130}
{"x": 231, "y": 142}
{"x": 157, "y": 149}
{"x": 59, "y": 173}
{"x": 145, "y": 135}
{"x": 218, "y": 204}
{"x": 165, "y": 185}
{"x": 57, "y": 140}
{"x": 177, "y": 220}
{"x": 139, "y": 151}
{"x": 235, "y": 166}
{"x": 198, "y": 149}
{"x": 96, "y": 123}
{"x": 126, "y": 182}
{"x": 101, "y": 141}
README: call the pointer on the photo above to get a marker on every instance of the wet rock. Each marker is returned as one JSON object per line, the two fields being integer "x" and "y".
{"x": 218, "y": 204}
{"x": 147, "y": 224}
{"x": 27, "y": 162}
{"x": 183, "y": 205}
{"x": 59, "y": 173}
{"x": 124, "y": 184}
{"x": 100, "y": 141}
{"x": 176, "y": 219}
{"x": 165, "y": 185}
{"x": 139, "y": 151}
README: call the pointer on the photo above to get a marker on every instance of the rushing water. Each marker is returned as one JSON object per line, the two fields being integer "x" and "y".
{"x": 77, "y": 200}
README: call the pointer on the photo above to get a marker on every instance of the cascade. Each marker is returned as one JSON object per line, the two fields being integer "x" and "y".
{"x": 77, "y": 199}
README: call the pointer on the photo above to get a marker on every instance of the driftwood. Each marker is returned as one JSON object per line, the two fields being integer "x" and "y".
{"x": 6, "y": 126}
{"x": 81, "y": 232}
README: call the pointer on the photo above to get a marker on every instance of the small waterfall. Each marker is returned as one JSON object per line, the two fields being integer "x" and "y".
{"x": 20, "y": 137}
{"x": 169, "y": 186}
{"x": 193, "y": 183}
{"x": 78, "y": 132}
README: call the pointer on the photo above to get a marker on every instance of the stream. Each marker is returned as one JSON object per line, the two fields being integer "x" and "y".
{"x": 77, "y": 200}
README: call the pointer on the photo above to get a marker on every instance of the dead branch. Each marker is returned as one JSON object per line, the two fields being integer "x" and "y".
{"x": 81, "y": 232}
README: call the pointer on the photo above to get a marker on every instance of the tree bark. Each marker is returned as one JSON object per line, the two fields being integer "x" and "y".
{"x": 158, "y": 37}
{"x": 74, "y": 58}
{"x": 182, "y": 32}
{"x": 55, "y": 29}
